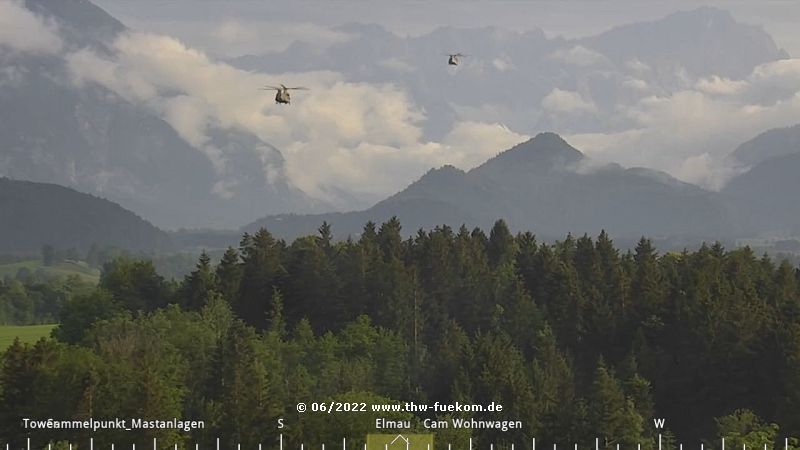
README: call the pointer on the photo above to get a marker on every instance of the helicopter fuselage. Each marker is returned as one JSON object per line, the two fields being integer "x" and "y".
{"x": 282, "y": 97}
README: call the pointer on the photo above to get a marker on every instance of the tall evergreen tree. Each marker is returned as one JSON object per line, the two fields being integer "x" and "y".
{"x": 228, "y": 275}
{"x": 501, "y": 246}
{"x": 197, "y": 285}
{"x": 262, "y": 271}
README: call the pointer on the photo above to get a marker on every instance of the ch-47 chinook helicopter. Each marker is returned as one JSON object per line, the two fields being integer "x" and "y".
{"x": 454, "y": 59}
{"x": 282, "y": 94}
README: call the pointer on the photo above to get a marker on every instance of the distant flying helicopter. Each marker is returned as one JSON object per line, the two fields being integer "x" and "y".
{"x": 282, "y": 94}
{"x": 454, "y": 59}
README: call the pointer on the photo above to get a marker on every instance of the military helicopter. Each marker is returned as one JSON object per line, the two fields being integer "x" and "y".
{"x": 454, "y": 59}
{"x": 282, "y": 94}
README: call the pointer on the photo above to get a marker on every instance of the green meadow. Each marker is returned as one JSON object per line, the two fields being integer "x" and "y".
{"x": 27, "y": 333}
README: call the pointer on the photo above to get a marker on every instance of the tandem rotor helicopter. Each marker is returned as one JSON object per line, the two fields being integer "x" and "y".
{"x": 282, "y": 95}
{"x": 454, "y": 59}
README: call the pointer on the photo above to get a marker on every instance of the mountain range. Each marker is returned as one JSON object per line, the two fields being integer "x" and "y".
{"x": 545, "y": 185}
{"x": 89, "y": 138}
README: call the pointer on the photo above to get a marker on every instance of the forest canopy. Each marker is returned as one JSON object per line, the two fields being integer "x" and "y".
{"x": 576, "y": 339}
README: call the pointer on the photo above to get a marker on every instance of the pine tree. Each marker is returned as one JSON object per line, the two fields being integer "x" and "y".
{"x": 262, "y": 270}
{"x": 560, "y": 417}
{"x": 198, "y": 284}
{"x": 312, "y": 286}
{"x": 229, "y": 275}
{"x": 448, "y": 377}
{"x": 502, "y": 378}
{"x": 244, "y": 387}
{"x": 136, "y": 285}
{"x": 613, "y": 416}
{"x": 501, "y": 246}
{"x": 325, "y": 238}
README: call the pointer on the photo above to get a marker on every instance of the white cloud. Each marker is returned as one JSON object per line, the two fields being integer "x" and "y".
{"x": 636, "y": 85}
{"x": 22, "y": 31}
{"x": 567, "y": 102}
{"x": 689, "y": 133}
{"x": 502, "y": 64}
{"x": 720, "y": 86}
{"x": 705, "y": 169}
{"x": 579, "y": 56}
{"x": 358, "y": 137}
{"x": 364, "y": 137}
{"x": 637, "y": 67}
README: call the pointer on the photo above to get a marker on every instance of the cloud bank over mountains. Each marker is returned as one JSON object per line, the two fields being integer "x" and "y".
{"x": 689, "y": 133}
{"x": 677, "y": 94}
{"x": 353, "y": 135}
{"x": 348, "y": 135}
{"x": 383, "y": 109}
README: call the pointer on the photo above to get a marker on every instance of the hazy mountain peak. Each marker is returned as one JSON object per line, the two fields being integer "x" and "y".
{"x": 447, "y": 168}
{"x": 769, "y": 144}
{"x": 546, "y": 153}
{"x": 703, "y": 12}
{"x": 81, "y": 21}
{"x": 442, "y": 174}
{"x": 360, "y": 28}
{"x": 697, "y": 40}
{"x": 533, "y": 186}
{"x": 549, "y": 138}
{"x": 544, "y": 148}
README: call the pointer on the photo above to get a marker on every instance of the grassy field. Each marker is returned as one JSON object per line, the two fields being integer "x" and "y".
{"x": 60, "y": 269}
{"x": 29, "y": 333}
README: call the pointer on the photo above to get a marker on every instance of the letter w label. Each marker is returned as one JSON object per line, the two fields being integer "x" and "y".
{"x": 659, "y": 423}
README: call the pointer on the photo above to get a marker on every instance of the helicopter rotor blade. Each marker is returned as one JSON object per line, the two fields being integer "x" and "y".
{"x": 269, "y": 88}
{"x": 299, "y": 88}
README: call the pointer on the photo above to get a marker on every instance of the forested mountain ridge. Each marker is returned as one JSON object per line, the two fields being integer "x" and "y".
{"x": 545, "y": 185}
{"x": 36, "y": 214}
{"x": 575, "y": 339}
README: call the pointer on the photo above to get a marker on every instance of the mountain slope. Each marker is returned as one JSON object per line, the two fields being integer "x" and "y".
{"x": 767, "y": 195}
{"x": 705, "y": 41}
{"x": 82, "y": 135}
{"x": 542, "y": 185}
{"x": 34, "y": 214}
{"x": 81, "y": 22}
{"x": 770, "y": 144}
